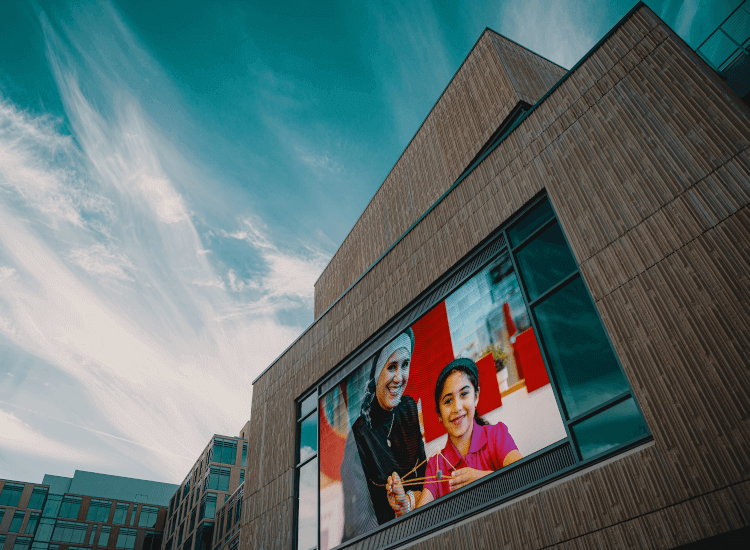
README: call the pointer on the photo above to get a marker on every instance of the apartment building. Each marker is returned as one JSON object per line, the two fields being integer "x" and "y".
{"x": 86, "y": 511}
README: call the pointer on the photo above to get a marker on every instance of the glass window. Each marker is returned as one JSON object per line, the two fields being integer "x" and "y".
{"x": 618, "y": 424}
{"x": 70, "y": 507}
{"x": 121, "y": 514}
{"x": 2, "y": 514}
{"x": 70, "y": 531}
{"x": 148, "y": 516}
{"x": 242, "y": 476}
{"x": 22, "y": 543}
{"x": 244, "y": 455}
{"x": 52, "y": 506}
{"x": 307, "y": 405}
{"x": 104, "y": 536}
{"x": 11, "y": 494}
{"x": 532, "y": 221}
{"x": 208, "y": 507}
{"x": 545, "y": 261}
{"x": 308, "y": 445}
{"x": 132, "y": 515}
{"x": 307, "y": 506}
{"x": 192, "y": 520}
{"x": 16, "y": 522}
{"x": 38, "y": 496}
{"x": 44, "y": 530}
{"x": 36, "y": 545}
{"x": 99, "y": 510}
{"x": 238, "y": 509}
{"x": 188, "y": 543}
{"x": 219, "y": 478}
{"x": 225, "y": 450}
{"x": 126, "y": 538}
{"x": 32, "y": 523}
{"x": 221, "y": 524}
{"x": 93, "y": 534}
{"x": 578, "y": 350}
{"x": 2, "y": 541}
{"x": 152, "y": 540}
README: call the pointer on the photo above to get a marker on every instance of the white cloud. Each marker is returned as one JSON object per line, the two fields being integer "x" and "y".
{"x": 323, "y": 162}
{"x": 19, "y": 437}
{"x": 99, "y": 260}
{"x": 167, "y": 359}
{"x": 289, "y": 274}
{"x": 6, "y": 273}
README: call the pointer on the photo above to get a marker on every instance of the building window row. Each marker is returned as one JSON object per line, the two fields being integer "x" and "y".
{"x": 99, "y": 510}
{"x": 225, "y": 450}
{"x": 11, "y": 494}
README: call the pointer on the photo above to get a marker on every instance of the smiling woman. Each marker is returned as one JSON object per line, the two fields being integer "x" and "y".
{"x": 387, "y": 432}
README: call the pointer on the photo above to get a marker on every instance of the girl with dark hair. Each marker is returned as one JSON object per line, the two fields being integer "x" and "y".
{"x": 387, "y": 431}
{"x": 474, "y": 448}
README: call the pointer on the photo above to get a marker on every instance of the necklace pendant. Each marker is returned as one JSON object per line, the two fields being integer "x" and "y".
{"x": 389, "y": 442}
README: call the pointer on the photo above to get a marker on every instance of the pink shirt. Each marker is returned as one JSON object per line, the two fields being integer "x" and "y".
{"x": 489, "y": 447}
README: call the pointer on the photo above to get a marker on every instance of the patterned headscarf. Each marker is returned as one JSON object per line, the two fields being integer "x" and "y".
{"x": 403, "y": 340}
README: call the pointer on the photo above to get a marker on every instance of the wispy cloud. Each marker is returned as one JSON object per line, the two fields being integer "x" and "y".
{"x": 323, "y": 162}
{"x": 106, "y": 281}
{"x": 99, "y": 260}
{"x": 21, "y": 438}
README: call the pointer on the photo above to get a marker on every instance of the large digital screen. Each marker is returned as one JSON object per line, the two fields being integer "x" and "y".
{"x": 460, "y": 394}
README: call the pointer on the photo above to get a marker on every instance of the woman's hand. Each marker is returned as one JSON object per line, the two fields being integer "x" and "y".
{"x": 396, "y": 495}
{"x": 464, "y": 476}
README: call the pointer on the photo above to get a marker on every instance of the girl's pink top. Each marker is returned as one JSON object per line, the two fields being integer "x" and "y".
{"x": 489, "y": 447}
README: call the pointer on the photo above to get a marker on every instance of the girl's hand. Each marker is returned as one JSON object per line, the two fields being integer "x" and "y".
{"x": 396, "y": 495}
{"x": 464, "y": 476}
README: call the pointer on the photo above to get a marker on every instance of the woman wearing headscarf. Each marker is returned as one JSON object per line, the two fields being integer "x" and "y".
{"x": 387, "y": 431}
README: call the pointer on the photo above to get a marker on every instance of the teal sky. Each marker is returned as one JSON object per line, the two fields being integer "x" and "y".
{"x": 174, "y": 176}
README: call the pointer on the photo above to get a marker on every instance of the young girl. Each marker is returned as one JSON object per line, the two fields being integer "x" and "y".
{"x": 474, "y": 448}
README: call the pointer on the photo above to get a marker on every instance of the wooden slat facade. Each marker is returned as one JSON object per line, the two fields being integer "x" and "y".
{"x": 643, "y": 152}
{"x": 488, "y": 85}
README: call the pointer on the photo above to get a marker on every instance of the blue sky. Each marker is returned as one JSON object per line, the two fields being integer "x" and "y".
{"x": 174, "y": 176}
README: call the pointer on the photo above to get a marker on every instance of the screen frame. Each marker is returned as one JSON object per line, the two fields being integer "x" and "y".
{"x": 495, "y": 244}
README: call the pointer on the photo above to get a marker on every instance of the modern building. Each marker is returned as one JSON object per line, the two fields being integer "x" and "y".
{"x": 86, "y": 511}
{"x": 209, "y": 490}
{"x": 581, "y": 240}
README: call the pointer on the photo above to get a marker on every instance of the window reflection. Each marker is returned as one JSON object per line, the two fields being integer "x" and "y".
{"x": 307, "y": 516}
{"x": 545, "y": 261}
{"x": 308, "y": 445}
{"x": 532, "y": 221}
{"x": 580, "y": 355}
{"x": 608, "y": 429}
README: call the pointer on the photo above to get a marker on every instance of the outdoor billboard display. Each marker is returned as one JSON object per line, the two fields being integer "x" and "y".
{"x": 461, "y": 393}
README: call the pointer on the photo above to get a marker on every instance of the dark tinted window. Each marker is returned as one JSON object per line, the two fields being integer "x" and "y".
{"x": 121, "y": 514}
{"x": 578, "y": 350}
{"x": 11, "y": 494}
{"x": 99, "y": 510}
{"x": 610, "y": 428}
{"x": 126, "y": 538}
{"x": 532, "y": 221}
{"x": 70, "y": 507}
{"x": 52, "y": 506}
{"x": 32, "y": 523}
{"x": 16, "y": 522}
{"x": 148, "y": 516}
{"x": 545, "y": 261}
{"x": 38, "y": 496}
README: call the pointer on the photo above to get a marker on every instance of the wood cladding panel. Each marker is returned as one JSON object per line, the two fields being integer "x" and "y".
{"x": 644, "y": 155}
{"x": 475, "y": 103}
